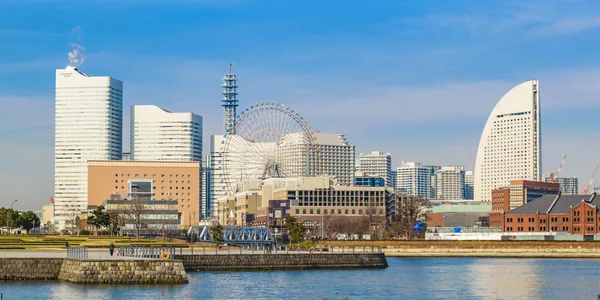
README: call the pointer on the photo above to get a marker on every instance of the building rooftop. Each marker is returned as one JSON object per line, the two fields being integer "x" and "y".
{"x": 545, "y": 203}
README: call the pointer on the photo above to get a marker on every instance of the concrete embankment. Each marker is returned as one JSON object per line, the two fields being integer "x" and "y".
{"x": 243, "y": 262}
{"x": 93, "y": 271}
{"x": 495, "y": 252}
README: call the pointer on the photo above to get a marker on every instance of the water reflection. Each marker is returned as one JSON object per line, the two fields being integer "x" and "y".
{"x": 504, "y": 279}
{"x": 427, "y": 278}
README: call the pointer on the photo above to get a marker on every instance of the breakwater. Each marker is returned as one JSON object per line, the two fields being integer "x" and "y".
{"x": 255, "y": 262}
{"x": 93, "y": 271}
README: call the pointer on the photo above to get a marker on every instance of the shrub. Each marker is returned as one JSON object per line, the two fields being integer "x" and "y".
{"x": 85, "y": 232}
{"x": 105, "y": 232}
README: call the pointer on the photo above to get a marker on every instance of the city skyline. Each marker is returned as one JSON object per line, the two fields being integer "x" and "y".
{"x": 448, "y": 97}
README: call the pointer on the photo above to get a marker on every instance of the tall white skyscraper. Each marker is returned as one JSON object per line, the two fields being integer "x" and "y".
{"x": 414, "y": 179}
{"x": 377, "y": 164}
{"x": 450, "y": 183}
{"x": 159, "y": 134}
{"x": 510, "y": 145}
{"x": 218, "y": 186}
{"x": 88, "y": 126}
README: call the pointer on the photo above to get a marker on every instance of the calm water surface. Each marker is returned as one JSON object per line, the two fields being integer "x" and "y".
{"x": 406, "y": 278}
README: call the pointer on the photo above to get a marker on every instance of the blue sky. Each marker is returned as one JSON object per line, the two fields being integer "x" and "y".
{"x": 414, "y": 78}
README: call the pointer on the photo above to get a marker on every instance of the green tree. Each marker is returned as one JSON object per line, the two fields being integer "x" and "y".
{"x": 99, "y": 218}
{"x": 295, "y": 229}
{"x": 217, "y": 233}
{"x": 28, "y": 220}
{"x": 8, "y": 217}
{"x": 116, "y": 222}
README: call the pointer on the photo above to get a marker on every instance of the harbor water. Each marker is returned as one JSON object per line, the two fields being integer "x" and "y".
{"x": 406, "y": 278}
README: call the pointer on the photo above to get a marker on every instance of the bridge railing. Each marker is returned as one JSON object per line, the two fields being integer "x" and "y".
{"x": 77, "y": 252}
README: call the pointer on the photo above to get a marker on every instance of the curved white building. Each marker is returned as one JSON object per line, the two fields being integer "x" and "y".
{"x": 510, "y": 145}
{"x": 159, "y": 134}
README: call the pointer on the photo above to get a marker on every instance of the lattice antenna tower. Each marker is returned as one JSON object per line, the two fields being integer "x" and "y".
{"x": 230, "y": 101}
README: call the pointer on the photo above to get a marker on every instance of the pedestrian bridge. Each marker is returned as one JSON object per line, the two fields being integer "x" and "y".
{"x": 233, "y": 235}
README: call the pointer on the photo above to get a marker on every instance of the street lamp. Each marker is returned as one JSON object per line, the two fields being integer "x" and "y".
{"x": 7, "y": 215}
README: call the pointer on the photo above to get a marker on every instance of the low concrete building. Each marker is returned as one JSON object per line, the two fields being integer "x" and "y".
{"x": 524, "y": 191}
{"x": 461, "y": 213}
{"x": 153, "y": 216}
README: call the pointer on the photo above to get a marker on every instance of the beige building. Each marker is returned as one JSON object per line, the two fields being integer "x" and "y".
{"x": 170, "y": 180}
{"x": 48, "y": 214}
{"x": 308, "y": 198}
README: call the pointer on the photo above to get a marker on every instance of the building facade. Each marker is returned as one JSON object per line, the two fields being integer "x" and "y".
{"x": 449, "y": 183}
{"x": 362, "y": 179}
{"x": 500, "y": 205}
{"x": 524, "y": 191}
{"x": 170, "y": 180}
{"x": 88, "y": 126}
{"x": 469, "y": 185}
{"x": 568, "y": 185}
{"x": 337, "y": 158}
{"x": 510, "y": 145}
{"x": 377, "y": 164}
{"x": 574, "y": 214}
{"x": 158, "y": 134}
{"x": 152, "y": 216}
{"x": 414, "y": 179}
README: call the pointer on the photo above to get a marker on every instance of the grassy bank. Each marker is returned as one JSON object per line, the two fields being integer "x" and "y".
{"x": 29, "y": 242}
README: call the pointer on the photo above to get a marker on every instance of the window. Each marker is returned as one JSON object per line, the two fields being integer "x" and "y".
{"x": 297, "y": 211}
{"x": 304, "y": 211}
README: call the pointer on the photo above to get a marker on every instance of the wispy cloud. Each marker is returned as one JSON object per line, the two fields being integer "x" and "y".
{"x": 528, "y": 18}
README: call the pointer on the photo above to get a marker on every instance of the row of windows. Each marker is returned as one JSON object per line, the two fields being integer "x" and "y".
{"x": 339, "y": 211}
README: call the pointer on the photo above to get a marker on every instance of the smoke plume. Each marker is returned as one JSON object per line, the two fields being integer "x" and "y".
{"x": 76, "y": 56}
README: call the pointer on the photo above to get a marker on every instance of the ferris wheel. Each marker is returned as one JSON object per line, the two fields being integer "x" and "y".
{"x": 268, "y": 140}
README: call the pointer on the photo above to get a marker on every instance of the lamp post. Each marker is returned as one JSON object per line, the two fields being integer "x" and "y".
{"x": 8, "y": 216}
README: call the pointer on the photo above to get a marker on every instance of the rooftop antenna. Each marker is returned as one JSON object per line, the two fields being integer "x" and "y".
{"x": 230, "y": 101}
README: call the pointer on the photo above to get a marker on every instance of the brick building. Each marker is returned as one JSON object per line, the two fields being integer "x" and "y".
{"x": 575, "y": 214}
{"x": 519, "y": 193}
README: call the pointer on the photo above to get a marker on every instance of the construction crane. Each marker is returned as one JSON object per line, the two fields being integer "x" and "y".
{"x": 555, "y": 175}
{"x": 586, "y": 190}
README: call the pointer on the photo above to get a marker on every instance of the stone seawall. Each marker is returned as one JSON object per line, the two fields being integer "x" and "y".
{"x": 495, "y": 252}
{"x": 30, "y": 268}
{"x": 123, "y": 272}
{"x": 255, "y": 262}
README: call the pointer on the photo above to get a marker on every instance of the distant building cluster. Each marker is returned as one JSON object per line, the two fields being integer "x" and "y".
{"x": 304, "y": 173}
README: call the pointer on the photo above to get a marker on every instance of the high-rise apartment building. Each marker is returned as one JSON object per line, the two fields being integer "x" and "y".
{"x": 159, "y": 134}
{"x": 394, "y": 177}
{"x": 88, "y": 126}
{"x": 337, "y": 158}
{"x": 205, "y": 189}
{"x": 218, "y": 186}
{"x": 449, "y": 183}
{"x": 414, "y": 179}
{"x": 377, "y": 164}
{"x": 568, "y": 185}
{"x": 510, "y": 145}
{"x": 469, "y": 185}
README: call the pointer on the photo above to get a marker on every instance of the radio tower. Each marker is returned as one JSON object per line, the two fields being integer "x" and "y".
{"x": 230, "y": 101}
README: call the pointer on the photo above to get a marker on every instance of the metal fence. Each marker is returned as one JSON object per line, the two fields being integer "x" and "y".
{"x": 77, "y": 252}
{"x": 280, "y": 249}
{"x": 145, "y": 251}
